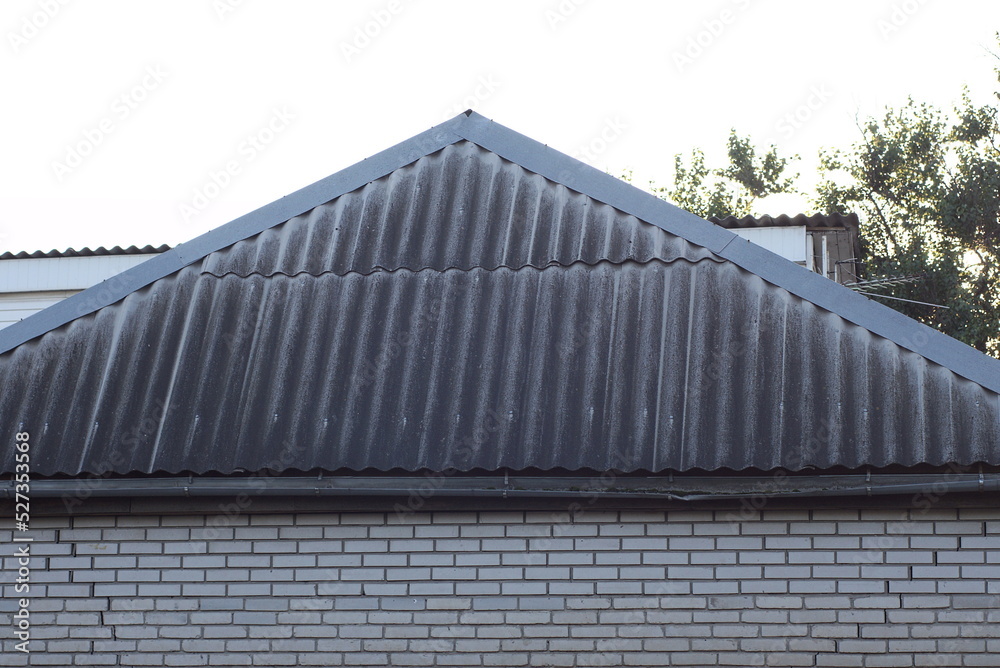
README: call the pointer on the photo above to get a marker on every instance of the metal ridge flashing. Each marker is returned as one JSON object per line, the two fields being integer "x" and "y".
{"x": 86, "y": 251}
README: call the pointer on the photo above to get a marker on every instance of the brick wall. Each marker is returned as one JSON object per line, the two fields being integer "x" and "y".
{"x": 691, "y": 588}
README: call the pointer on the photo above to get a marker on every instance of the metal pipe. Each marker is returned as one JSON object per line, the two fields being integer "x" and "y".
{"x": 826, "y": 258}
{"x": 899, "y": 299}
{"x": 811, "y": 252}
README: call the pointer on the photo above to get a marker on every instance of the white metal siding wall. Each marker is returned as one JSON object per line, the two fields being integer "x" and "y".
{"x": 27, "y": 286}
{"x": 16, "y": 306}
{"x": 788, "y": 242}
{"x": 694, "y": 588}
{"x": 63, "y": 273}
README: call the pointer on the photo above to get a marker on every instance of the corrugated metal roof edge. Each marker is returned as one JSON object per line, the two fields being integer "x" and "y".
{"x": 86, "y": 251}
{"x": 560, "y": 168}
{"x": 816, "y": 220}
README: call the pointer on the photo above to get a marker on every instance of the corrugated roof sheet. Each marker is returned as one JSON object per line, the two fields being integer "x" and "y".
{"x": 817, "y": 220}
{"x": 461, "y": 208}
{"x": 465, "y": 312}
{"x": 85, "y": 252}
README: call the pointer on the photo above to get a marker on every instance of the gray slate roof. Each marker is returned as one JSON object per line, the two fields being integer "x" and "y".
{"x": 471, "y": 299}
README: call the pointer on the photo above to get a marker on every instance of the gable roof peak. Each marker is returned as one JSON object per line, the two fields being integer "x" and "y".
{"x": 558, "y": 168}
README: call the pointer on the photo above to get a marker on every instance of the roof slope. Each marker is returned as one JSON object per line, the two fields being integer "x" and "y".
{"x": 473, "y": 300}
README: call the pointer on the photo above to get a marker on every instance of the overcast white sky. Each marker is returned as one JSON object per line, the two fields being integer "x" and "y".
{"x": 118, "y": 112}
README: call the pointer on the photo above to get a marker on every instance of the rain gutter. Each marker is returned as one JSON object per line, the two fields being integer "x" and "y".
{"x": 609, "y": 485}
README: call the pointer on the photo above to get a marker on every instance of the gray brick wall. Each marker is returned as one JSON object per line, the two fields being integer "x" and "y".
{"x": 863, "y": 587}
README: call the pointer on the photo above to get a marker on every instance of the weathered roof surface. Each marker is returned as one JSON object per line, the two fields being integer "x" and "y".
{"x": 473, "y": 300}
{"x": 85, "y": 252}
{"x": 817, "y": 220}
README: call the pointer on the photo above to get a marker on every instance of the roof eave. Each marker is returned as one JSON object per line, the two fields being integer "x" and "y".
{"x": 678, "y": 488}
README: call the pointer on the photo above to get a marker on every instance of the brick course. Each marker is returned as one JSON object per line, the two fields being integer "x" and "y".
{"x": 869, "y": 587}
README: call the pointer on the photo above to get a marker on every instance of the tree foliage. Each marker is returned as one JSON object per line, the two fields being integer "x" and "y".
{"x": 731, "y": 190}
{"x": 925, "y": 184}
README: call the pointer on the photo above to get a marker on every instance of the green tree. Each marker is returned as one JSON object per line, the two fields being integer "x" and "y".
{"x": 925, "y": 184}
{"x": 926, "y": 187}
{"x": 731, "y": 190}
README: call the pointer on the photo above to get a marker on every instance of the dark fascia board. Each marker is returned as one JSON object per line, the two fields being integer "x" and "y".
{"x": 559, "y": 168}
